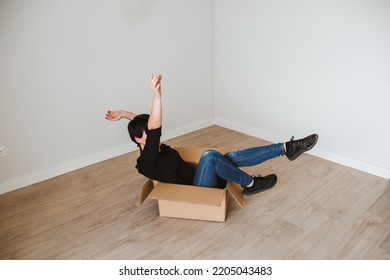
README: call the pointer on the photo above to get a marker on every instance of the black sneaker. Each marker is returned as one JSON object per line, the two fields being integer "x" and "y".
{"x": 294, "y": 148}
{"x": 261, "y": 184}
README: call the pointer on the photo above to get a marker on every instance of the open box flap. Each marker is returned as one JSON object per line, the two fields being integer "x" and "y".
{"x": 189, "y": 194}
{"x": 147, "y": 188}
{"x": 194, "y": 154}
{"x": 235, "y": 190}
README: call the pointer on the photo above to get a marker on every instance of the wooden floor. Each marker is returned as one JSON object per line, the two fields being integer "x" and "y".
{"x": 318, "y": 210}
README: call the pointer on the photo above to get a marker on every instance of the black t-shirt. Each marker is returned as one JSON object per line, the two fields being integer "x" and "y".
{"x": 162, "y": 163}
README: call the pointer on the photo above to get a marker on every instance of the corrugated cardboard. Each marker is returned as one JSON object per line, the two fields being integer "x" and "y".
{"x": 191, "y": 202}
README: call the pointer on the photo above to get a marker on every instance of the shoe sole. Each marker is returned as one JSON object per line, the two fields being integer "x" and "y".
{"x": 303, "y": 151}
{"x": 262, "y": 190}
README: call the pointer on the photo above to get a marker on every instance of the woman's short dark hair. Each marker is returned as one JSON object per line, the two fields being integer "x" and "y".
{"x": 137, "y": 126}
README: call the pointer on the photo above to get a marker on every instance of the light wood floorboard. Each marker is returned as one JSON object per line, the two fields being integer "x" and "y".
{"x": 318, "y": 210}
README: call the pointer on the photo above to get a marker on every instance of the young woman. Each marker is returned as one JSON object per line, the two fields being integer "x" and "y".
{"x": 160, "y": 162}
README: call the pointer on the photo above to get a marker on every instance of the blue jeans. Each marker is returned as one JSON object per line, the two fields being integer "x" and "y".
{"x": 213, "y": 165}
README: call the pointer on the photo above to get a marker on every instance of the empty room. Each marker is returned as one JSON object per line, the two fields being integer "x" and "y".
{"x": 209, "y": 75}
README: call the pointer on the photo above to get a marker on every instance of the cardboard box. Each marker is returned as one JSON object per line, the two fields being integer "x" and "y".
{"x": 191, "y": 202}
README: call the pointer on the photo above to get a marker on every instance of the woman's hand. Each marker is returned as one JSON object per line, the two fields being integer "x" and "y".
{"x": 113, "y": 115}
{"x": 155, "y": 84}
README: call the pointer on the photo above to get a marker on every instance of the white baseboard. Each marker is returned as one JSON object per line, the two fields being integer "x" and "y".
{"x": 334, "y": 157}
{"x": 63, "y": 168}
{"x": 66, "y": 167}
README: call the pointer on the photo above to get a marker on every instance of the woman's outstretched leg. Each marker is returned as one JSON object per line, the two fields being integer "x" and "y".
{"x": 253, "y": 156}
{"x": 213, "y": 164}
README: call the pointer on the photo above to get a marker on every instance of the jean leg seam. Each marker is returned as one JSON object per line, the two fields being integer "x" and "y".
{"x": 276, "y": 148}
{"x": 232, "y": 169}
{"x": 201, "y": 176}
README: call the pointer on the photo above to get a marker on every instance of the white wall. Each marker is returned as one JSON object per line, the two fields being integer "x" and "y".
{"x": 275, "y": 69}
{"x": 295, "y": 67}
{"x": 64, "y": 63}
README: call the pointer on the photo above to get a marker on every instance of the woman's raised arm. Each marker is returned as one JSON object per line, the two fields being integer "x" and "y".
{"x": 155, "y": 119}
{"x": 119, "y": 114}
